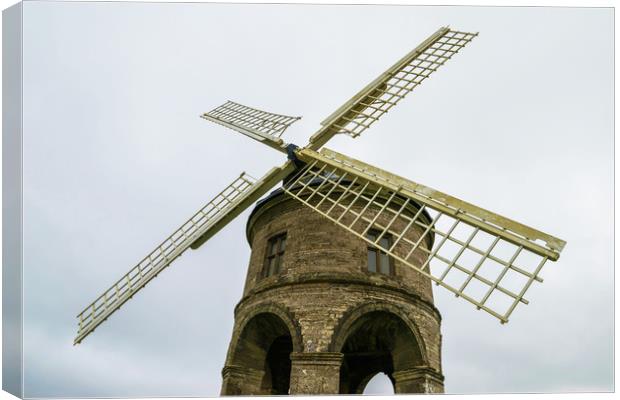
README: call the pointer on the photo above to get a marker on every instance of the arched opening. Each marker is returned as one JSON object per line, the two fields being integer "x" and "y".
{"x": 379, "y": 384}
{"x": 377, "y": 341}
{"x": 262, "y": 353}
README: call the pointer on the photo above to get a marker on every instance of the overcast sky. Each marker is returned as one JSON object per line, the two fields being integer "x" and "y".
{"x": 116, "y": 157}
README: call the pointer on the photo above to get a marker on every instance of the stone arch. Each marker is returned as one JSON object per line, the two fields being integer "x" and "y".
{"x": 373, "y": 338}
{"x": 352, "y": 315}
{"x": 282, "y": 312}
{"x": 258, "y": 360}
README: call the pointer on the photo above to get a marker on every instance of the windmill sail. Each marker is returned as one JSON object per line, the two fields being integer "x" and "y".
{"x": 229, "y": 203}
{"x": 485, "y": 258}
{"x": 378, "y": 97}
{"x": 260, "y": 125}
{"x": 489, "y": 260}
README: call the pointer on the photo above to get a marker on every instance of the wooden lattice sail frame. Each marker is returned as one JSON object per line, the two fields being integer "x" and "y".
{"x": 480, "y": 256}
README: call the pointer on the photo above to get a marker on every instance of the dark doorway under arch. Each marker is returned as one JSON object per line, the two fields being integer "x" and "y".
{"x": 378, "y": 341}
{"x": 263, "y": 350}
{"x": 278, "y": 366}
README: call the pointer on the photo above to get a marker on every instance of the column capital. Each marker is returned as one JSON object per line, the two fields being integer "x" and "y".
{"x": 236, "y": 370}
{"x": 317, "y": 358}
{"x": 417, "y": 372}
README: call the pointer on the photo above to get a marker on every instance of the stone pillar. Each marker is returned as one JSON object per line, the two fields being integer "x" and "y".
{"x": 315, "y": 373}
{"x": 241, "y": 380}
{"x": 421, "y": 379}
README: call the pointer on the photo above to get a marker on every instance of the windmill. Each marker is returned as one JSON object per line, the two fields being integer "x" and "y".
{"x": 329, "y": 183}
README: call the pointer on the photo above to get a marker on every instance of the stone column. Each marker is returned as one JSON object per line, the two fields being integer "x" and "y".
{"x": 315, "y": 373}
{"x": 421, "y": 379}
{"x": 239, "y": 380}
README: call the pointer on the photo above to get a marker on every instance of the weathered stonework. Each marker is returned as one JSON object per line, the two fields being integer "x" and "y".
{"x": 324, "y": 324}
{"x": 315, "y": 372}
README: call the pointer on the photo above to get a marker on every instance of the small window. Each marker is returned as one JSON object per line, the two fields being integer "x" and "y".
{"x": 275, "y": 252}
{"x": 379, "y": 261}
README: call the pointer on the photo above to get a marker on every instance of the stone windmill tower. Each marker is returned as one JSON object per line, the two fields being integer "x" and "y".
{"x": 323, "y": 311}
{"x": 344, "y": 254}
